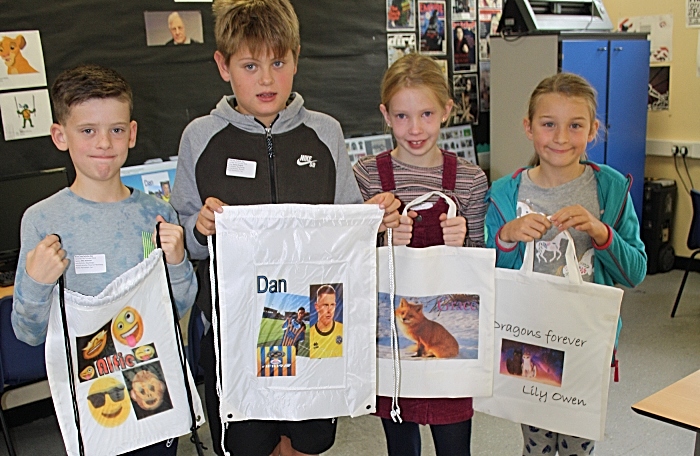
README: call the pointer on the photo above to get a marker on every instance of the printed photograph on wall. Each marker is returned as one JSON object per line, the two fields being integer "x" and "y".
{"x": 430, "y": 327}
{"x": 173, "y": 28}
{"x": 532, "y": 362}
{"x": 659, "y": 82}
{"x": 367, "y": 145}
{"x": 23, "y": 60}
{"x": 488, "y": 24}
{"x": 458, "y": 139}
{"x": 484, "y": 86}
{"x": 466, "y": 97}
{"x": 660, "y": 31}
{"x": 400, "y": 15}
{"x": 432, "y": 27}
{"x": 26, "y": 114}
{"x": 398, "y": 45}
{"x": 463, "y": 10}
{"x": 692, "y": 13}
{"x": 464, "y": 46}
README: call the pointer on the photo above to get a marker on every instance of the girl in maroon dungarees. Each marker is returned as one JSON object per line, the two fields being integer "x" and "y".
{"x": 415, "y": 103}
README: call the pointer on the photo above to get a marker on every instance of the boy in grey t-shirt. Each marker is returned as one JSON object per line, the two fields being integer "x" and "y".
{"x": 105, "y": 228}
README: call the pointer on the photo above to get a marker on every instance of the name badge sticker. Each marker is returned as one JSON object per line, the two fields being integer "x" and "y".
{"x": 241, "y": 168}
{"x": 90, "y": 264}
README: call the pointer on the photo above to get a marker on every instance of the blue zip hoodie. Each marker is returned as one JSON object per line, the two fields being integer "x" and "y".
{"x": 622, "y": 260}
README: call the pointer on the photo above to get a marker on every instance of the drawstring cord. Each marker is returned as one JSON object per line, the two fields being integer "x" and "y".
{"x": 215, "y": 328}
{"x": 194, "y": 438}
{"x": 395, "y": 409}
{"x": 69, "y": 358}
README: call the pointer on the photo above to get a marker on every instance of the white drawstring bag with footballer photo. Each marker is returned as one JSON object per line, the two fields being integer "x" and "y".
{"x": 294, "y": 310}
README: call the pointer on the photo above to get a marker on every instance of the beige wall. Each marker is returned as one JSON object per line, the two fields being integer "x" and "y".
{"x": 682, "y": 121}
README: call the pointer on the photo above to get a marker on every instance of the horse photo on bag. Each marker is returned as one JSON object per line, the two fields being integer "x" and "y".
{"x": 539, "y": 364}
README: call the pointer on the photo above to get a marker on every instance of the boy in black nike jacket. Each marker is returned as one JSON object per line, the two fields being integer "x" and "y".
{"x": 260, "y": 146}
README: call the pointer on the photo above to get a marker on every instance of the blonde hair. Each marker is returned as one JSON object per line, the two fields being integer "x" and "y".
{"x": 261, "y": 25}
{"x": 569, "y": 85}
{"x": 415, "y": 70}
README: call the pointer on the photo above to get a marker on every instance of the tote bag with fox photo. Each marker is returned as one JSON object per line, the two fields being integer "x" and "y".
{"x": 553, "y": 346}
{"x": 127, "y": 371}
{"x": 443, "y": 310}
{"x": 294, "y": 310}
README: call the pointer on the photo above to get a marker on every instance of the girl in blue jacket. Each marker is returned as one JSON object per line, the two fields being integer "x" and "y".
{"x": 561, "y": 191}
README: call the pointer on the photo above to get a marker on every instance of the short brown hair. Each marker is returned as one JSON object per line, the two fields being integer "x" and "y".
{"x": 569, "y": 85}
{"x": 86, "y": 82}
{"x": 260, "y": 25}
{"x": 415, "y": 70}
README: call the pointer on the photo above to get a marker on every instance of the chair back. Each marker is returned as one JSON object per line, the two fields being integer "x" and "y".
{"x": 19, "y": 362}
{"x": 694, "y": 233}
{"x": 195, "y": 330}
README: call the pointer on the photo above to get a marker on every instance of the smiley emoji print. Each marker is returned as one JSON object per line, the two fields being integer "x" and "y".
{"x": 109, "y": 402}
{"x": 128, "y": 327}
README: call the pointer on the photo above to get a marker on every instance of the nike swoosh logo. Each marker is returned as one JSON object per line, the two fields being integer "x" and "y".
{"x": 301, "y": 162}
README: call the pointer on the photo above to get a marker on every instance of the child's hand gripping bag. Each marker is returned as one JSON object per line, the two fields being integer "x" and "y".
{"x": 125, "y": 387}
{"x": 443, "y": 310}
{"x": 553, "y": 345}
{"x": 294, "y": 310}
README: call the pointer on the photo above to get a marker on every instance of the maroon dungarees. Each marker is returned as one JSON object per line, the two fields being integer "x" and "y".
{"x": 426, "y": 232}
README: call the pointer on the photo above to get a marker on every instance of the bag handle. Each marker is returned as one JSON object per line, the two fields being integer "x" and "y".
{"x": 69, "y": 358}
{"x": 216, "y": 331}
{"x": 451, "y": 212}
{"x": 194, "y": 438}
{"x": 570, "y": 257}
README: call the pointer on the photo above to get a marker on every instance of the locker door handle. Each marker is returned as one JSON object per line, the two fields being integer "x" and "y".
{"x": 617, "y": 48}
{"x": 603, "y": 49}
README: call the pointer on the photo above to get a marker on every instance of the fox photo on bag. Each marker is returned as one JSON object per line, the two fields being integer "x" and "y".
{"x": 444, "y": 326}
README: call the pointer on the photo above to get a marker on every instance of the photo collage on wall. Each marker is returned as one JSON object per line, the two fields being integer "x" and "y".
{"x": 456, "y": 33}
{"x": 25, "y": 114}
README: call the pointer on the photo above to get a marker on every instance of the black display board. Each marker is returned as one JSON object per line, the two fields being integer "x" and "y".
{"x": 343, "y": 58}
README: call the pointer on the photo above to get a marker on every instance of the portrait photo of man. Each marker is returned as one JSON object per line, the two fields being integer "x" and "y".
{"x": 326, "y": 332}
{"x": 178, "y": 31}
{"x": 173, "y": 28}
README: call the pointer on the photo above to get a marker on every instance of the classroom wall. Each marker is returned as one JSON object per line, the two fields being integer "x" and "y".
{"x": 682, "y": 121}
{"x": 343, "y": 57}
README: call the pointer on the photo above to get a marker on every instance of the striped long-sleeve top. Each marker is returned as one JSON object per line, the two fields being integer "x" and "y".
{"x": 414, "y": 181}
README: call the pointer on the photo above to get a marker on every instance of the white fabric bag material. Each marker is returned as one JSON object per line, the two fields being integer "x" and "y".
{"x": 129, "y": 382}
{"x": 272, "y": 261}
{"x": 553, "y": 346}
{"x": 444, "y": 310}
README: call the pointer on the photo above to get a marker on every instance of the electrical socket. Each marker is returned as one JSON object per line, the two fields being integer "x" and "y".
{"x": 673, "y": 148}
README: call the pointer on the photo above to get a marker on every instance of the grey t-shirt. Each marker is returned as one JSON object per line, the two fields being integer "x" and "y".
{"x": 120, "y": 231}
{"x": 549, "y": 255}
